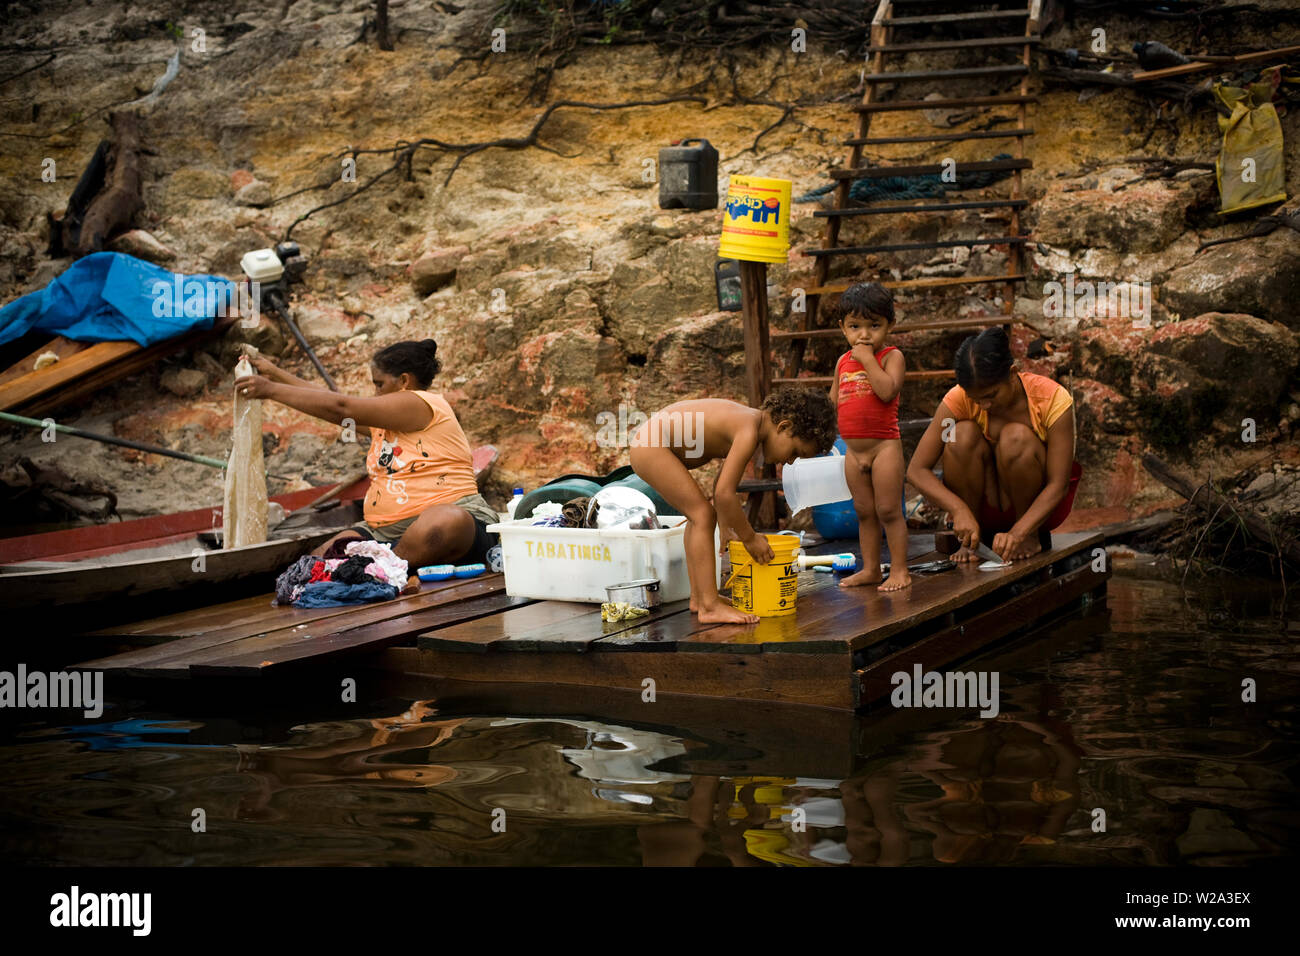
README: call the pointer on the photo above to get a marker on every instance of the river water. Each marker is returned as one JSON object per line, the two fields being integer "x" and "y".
{"x": 1124, "y": 738}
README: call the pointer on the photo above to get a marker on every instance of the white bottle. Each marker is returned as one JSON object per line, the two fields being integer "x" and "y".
{"x": 514, "y": 503}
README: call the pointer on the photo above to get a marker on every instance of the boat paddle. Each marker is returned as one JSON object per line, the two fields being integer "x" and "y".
{"x": 124, "y": 442}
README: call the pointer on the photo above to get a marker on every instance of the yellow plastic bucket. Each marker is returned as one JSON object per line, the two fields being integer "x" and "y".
{"x": 756, "y": 220}
{"x": 768, "y": 590}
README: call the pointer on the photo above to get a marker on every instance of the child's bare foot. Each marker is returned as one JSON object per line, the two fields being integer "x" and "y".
{"x": 863, "y": 578}
{"x": 722, "y": 600}
{"x": 412, "y": 585}
{"x": 896, "y": 581}
{"x": 725, "y": 614}
{"x": 965, "y": 556}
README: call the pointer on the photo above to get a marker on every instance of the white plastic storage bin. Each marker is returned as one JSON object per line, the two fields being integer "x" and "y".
{"x": 577, "y": 564}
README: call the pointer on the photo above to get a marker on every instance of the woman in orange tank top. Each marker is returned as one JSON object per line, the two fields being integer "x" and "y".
{"x": 423, "y": 499}
{"x": 1006, "y": 439}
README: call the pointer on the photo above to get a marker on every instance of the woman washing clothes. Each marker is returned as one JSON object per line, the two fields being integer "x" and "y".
{"x": 423, "y": 500}
{"x": 1006, "y": 439}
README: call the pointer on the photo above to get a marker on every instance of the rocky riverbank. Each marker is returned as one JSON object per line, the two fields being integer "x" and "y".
{"x": 554, "y": 285}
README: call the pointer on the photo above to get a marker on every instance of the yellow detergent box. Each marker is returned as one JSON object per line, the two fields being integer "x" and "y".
{"x": 577, "y": 564}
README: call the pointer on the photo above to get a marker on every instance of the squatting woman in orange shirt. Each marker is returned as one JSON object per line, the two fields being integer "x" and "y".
{"x": 423, "y": 499}
{"x": 1006, "y": 439}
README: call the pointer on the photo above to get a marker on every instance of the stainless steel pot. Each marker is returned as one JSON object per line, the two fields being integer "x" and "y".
{"x": 642, "y": 593}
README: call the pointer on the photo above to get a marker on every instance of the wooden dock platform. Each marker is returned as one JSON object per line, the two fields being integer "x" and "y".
{"x": 837, "y": 651}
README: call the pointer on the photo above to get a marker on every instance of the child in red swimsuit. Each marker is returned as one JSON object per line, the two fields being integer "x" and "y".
{"x": 868, "y": 379}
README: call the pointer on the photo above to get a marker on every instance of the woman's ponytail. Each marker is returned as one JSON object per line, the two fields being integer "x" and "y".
{"x": 420, "y": 359}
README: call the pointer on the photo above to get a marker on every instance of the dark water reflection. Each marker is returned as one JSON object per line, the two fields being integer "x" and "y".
{"x": 1138, "y": 715}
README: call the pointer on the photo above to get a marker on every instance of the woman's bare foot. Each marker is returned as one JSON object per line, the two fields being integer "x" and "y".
{"x": 725, "y": 614}
{"x": 965, "y": 556}
{"x": 412, "y": 585}
{"x": 897, "y": 580}
{"x": 863, "y": 578}
{"x": 1032, "y": 547}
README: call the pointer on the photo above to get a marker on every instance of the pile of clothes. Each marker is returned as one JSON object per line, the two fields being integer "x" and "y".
{"x": 350, "y": 572}
{"x": 572, "y": 514}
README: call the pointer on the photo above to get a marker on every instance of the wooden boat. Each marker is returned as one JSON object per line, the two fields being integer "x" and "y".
{"x": 174, "y": 560}
{"x": 82, "y": 367}
{"x": 151, "y": 556}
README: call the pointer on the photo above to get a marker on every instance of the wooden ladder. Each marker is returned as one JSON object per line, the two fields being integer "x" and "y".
{"x": 884, "y": 25}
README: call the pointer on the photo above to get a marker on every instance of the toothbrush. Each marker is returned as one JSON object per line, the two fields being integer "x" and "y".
{"x": 832, "y": 562}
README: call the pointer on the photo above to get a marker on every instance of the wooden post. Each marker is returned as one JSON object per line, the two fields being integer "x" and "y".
{"x": 761, "y": 506}
{"x": 753, "y": 308}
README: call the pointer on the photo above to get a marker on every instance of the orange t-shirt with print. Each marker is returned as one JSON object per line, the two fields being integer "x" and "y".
{"x": 409, "y": 471}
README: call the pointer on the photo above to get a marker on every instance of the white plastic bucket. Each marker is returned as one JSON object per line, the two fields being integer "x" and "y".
{"x": 578, "y": 564}
{"x": 815, "y": 481}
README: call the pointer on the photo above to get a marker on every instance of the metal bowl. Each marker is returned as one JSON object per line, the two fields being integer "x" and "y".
{"x": 621, "y": 507}
{"x": 641, "y": 593}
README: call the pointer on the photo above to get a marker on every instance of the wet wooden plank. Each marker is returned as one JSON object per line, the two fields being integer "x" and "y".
{"x": 259, "y": 655}
{"x": 949, "y": 644}
{"x": 580, "y": 633}
{"x": 255, "y": 615}
{"x": 190, "y": 622}
{"x": 288, "y": 620}
{"x": 823, "y": 680}
{"x": 819, "y": 596}
{"x": 657, "y": 635}
{"x": 484, "y": 633}
{"x": 932, "y": 596}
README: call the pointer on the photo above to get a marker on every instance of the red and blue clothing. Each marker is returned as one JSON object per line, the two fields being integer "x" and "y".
{"x": 861, "y": 412}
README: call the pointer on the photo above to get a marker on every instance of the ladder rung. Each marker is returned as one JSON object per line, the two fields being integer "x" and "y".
{"x": 928, "y": 282}
{"x": 827, "y": 379}
{"x": 909, "y": 246}
{"x": 933, "y": 207}
{"x": 955, "y": 101}
{"x": 957, "y": 3}
{"x": 808, "y": 380}
{"x": 955, "y": 18}
{"x": 963, "y": 73}
{"x": 969, "y": 44}
{"x": 974, "y": 322}
{"x": 806, "y": 334}
{"x": 940, "y": 137}
{"x": 929, "y": 169}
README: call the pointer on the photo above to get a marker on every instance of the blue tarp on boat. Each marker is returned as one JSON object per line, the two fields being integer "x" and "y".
{"x": 113, "y": 297}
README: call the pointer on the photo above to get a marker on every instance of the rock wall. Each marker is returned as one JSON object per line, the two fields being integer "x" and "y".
{"x": 556, "y": 288}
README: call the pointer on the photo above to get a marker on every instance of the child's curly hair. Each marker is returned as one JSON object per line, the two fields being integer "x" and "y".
{"x": 810, "y": 411}
{"x": 866, "y": 298}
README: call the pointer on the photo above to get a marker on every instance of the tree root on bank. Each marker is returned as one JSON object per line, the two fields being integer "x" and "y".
{"x": 1214, "y": 522}
{"x": 403, "y": 153}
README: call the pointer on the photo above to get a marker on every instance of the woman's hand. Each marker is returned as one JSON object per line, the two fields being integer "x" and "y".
{"x": 966, "y": 528}
{"x": 1012, "y": 545}
{"x": 265, "y": 367}
{"x": 254, "y": 386}
{"x": 759, "y": 549}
